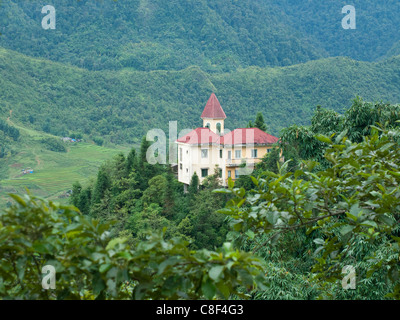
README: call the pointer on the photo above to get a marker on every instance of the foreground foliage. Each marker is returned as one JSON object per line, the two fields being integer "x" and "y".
{"x": 349, "y": 210}
{"x": 91, "y": 265}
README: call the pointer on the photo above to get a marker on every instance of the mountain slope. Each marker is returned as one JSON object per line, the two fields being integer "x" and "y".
{"x": 217, "y": 35}
{"x": 124, "y": 105}
{"x": 377, "y": 26}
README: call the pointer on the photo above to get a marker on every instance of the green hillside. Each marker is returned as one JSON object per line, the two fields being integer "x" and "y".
{"x": 377, "y": 26}
{"x": 147, "y": 35}
{"x": 122, "y": 106}
{"x": 216, "y": 35}
{"x": 53, "y": 172}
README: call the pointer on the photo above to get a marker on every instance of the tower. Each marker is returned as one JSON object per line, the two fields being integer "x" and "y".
{"x": 213, "y": 115}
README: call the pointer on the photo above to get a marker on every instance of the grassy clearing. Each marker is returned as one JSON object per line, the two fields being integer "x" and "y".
{"x": 54, "y": 172}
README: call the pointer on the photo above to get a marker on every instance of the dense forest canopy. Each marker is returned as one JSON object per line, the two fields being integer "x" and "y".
{"x": 217, "y": 35}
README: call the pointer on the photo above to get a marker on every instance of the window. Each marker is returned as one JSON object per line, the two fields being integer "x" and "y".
{"x": 236, "y": 174}
{"x": 208, "y": 125}
{"x": 254, "y": 153}
{"x": 219, "y": 127}
{"x": 229, "y": 155}
{"x": 180, "y": 166}
{"x": 238, "y": 154}
{"x": 229, "y": 173}
{"x": 180, "y": 154}
{"x": 220, "y": 154}
{"x": 220, "y": 173}
{"x": 268, "y": 150}
{"x": 204, "y": 153}
{"x": 204, "y": 173}
{"x": 187, "y": 170}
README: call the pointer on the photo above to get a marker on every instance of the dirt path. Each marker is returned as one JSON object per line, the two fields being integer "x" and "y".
{"x": 37, "y": 159}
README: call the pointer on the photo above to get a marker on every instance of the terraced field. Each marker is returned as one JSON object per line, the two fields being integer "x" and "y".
{"x": 53, "y": 172}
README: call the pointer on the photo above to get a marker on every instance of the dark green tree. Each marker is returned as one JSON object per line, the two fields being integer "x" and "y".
{"x": 85, "y": 199}
{"x": 76, "y": 192}
{"x": 209, "y": 227}
{"x": 169, "y": 196}
{"x": 259, "y": 122}
{"x": 131, "y": 161}
{"x": 103, "y": 183}
{"x": 193, "y": 188}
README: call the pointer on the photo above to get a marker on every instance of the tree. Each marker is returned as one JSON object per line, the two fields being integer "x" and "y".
{"x": 271, "y": 161}
{"x": 259, "y": 122}
{"x": 146, "y": 171}
{"x": 103, "y": 183}
{"x": 193, "y": 188}
{"x": 76, "y": 192}
{"x": 169, "y": 196}
{"x": 85, "y": 200}
{"x": 131, "y": 161}
{"x": 209, "y": 227}
{"x": 155, "y": 193}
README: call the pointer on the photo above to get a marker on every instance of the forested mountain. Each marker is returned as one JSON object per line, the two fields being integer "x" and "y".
{"x": 119, "y": 68}
{"x": 157, "y": 34}
{"x": 216, "y": 35}
{"x": 376, "y": 26}
{"x": 124, "y": 105}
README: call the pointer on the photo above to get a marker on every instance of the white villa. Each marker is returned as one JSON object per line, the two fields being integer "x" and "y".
{"x": 211, "y": 146}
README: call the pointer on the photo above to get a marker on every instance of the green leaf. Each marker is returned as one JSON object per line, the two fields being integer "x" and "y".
{"x": 114, "y": 242}
{"x": 346, "y": 229}
{"x": 323, "y": 138}
{"x": 255, "y": 181}
{"x": 298, "y": 173}
{"x": 385, "y": 219}
{"x": 319, "y": 241}
{"x": 223, "y": 289}
{"x": 370, "y": 223}
{"x": 215, "y": 272}
{"x": 250, "y": 234}
{"x": 98, "y": 284}
{"x": 208, "y": 289}
{"x": 231, "y": 183}
{"x": 169, "y": 262}
{"x": 105, "y": 267}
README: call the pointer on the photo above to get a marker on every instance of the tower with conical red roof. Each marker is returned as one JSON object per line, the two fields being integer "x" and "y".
{"x": 213, "y": 115}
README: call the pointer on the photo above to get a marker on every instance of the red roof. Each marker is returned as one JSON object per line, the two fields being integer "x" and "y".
{"x": 248, "y": 136}
{"x": 213, "y": 109}
{"x": 200, "y": 136}
{"x": 235, "y": 137}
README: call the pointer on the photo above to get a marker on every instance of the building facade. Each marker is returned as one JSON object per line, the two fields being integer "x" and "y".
{"x": 212, "y": 147}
